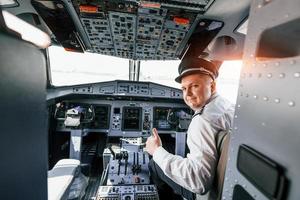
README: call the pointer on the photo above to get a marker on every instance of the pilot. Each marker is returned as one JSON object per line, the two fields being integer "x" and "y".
{"x": 193, "y": 174}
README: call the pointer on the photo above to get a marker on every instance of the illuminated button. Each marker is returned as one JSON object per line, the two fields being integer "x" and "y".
{"x": 88, "y": 9}
{"x": 181, "y": 21}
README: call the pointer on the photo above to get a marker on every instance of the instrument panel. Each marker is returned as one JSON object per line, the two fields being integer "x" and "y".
{"x": 119, "y": 117}
{"x": 119, "y": 88}
{"x": 120, "y": 107}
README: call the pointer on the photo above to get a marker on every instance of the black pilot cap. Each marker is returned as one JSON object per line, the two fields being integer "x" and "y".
{"x": 194, "y": 65}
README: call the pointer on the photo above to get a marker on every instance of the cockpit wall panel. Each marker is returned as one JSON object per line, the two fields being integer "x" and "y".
{"x": 266, "y": 124}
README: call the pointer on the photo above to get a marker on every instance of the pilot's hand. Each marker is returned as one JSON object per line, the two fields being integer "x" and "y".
{"x": 153, "y": 142}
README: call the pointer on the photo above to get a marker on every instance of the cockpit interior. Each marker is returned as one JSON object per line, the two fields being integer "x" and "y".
{"x": 105, "y": 126}
{"x": 87, "y": 141}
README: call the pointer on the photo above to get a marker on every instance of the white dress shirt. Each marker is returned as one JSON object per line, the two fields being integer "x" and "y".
{"x": 196, "y": 171}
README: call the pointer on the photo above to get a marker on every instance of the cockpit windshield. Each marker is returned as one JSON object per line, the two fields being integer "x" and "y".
{"x": 69, "y": 68}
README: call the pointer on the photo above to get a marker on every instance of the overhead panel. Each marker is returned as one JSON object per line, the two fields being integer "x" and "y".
{"x": 98, "y": 31}
{"x": 139, "y": 30}
{"x": 132, "y": 29}
{"x": 149, "y": 30}
{"x": 201, "y": 5}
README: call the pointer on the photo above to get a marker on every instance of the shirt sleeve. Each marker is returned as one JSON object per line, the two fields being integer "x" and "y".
{"x": 196, "y": 171}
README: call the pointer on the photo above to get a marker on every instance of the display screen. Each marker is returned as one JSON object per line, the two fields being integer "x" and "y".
{"x": 117, "y": 110}
{"x": 160, "y": 118}
{"x": 101, "y": 117}
{"x": 131, "y": 119}
{"x": 91, "y": 115}
{"x": 161, "y": 121}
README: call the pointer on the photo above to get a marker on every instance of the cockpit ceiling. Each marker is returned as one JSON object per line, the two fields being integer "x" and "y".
{"x": 132, "y": 29}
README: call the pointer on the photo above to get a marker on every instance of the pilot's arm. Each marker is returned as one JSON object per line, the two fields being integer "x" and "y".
{"x": 196, "y": 171}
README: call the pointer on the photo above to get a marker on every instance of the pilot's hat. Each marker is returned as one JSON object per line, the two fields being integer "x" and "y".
{"x": 194, "y": 65}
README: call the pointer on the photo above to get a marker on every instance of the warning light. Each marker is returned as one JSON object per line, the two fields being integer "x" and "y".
{"x": 181, "y": 21}
{"x": 88, "y": 9}
{"x": 149, "y": 5}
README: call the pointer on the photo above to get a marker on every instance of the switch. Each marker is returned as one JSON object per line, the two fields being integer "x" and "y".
{"x": 137, "y": 179}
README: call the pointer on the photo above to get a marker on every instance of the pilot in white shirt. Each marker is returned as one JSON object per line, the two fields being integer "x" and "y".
{"x": 213, "y": 113}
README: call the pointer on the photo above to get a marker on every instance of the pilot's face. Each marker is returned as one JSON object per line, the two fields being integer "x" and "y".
{"x": 197, "y": 89}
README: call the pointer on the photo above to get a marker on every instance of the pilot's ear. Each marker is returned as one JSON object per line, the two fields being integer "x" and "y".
{"x": 213, "y": 86}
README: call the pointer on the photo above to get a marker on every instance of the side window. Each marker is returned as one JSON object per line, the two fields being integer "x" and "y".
{"x": 228, "y": 80}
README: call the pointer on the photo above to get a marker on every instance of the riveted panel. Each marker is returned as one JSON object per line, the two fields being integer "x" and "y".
{"x": 268, "y": 105}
